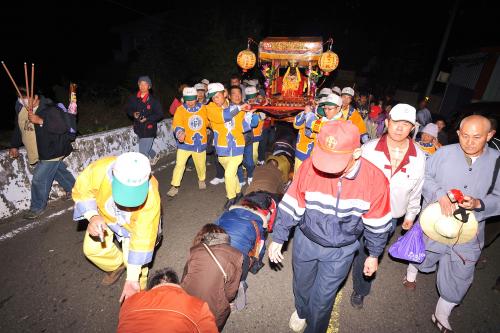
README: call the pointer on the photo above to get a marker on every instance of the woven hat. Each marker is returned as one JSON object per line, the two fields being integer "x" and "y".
{"x": 447, "y": 229}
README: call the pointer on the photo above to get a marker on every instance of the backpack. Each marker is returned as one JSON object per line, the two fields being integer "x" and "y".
{"x": 70, "y": 120}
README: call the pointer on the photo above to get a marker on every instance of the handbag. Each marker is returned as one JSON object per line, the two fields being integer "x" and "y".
{"x": 410, "y": 246}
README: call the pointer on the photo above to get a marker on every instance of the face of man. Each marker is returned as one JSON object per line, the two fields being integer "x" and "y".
{"x": 235, "y": 96}
{"x": 331, "y": 111}
{"x": 355, "y": 156}
{"x": 440, "y": 124}
{"x": 235, "y": 82}
{"x": 191, "y": 103}
{"x": 426, "y": 138}
{"x": 200, "y": 94}
{"x": 143, "y": 87}
{"x": 398, "y": 130}
{"x": 474, "y": 133}
{"x": 363, "y": 99}
{"x": 346, "y": 100}
{"x": 218, "y": 98}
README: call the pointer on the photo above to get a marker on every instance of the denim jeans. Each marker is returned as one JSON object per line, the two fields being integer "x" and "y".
{"x": 362, "y": 284}
{"x": 247, "y": 163}
{"x": 145, "y": 145}
{"x": 43, "y": 176}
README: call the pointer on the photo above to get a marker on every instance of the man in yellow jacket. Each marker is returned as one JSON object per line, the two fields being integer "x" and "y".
{"x": 190, "y": 131}
{"x": 120, "y": 199}
{"x": 228, "y": 124}
{"x": 349, "y": 112}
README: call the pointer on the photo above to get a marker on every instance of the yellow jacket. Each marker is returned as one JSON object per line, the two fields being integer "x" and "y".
{"x": 92, "y": 196}
{"x": 353, "y": 115}
{"x": 228, "y": 125}
{"x": 305, "y": 142}
{"x": 193, "y": 121}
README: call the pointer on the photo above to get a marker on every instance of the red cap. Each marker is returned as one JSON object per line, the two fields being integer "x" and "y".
{"x": 334, "y": 146}
{"x": 375, "y": 110}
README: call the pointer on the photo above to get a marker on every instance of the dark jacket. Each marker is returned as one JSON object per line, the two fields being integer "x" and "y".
{"x": 203, "y": 278}
{"x": 53, "y": 138}
{"x": 151, "y": 110}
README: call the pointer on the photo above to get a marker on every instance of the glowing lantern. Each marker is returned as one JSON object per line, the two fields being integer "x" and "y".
{"x": 246, "y": 59}
{"x": 328, "y": 62}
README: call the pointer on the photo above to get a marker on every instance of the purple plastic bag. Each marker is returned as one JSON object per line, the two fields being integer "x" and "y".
{"x": 411, "y": 246}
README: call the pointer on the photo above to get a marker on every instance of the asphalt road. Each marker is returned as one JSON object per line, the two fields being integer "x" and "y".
{"x": 47, "y": 285}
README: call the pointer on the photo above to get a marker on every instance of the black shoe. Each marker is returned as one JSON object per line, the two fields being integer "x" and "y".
{"x": 357, "y": 300}
{"x": 229, "y": 203}
{"x": 31, "y": 215}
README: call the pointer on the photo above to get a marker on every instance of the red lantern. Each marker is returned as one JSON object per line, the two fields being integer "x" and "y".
{"x": 328, "y": 62}
{"x": 246, "y": 59}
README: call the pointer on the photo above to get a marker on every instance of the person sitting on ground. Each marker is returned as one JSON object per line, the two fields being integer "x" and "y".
{"x": 428, "y": 142}
{"x": 213, "y": 271}
{"x": 165, "y": 306}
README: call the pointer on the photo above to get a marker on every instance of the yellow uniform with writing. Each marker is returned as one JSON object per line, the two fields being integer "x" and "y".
{"x": 193, "y": 121}
{"x": 137, "y": 230}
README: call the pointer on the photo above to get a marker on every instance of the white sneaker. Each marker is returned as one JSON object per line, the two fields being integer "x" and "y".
{"x": 260, "y": 162}
{"x": 242, "y": 183}
{"x": 296, "y": 324}
{"x": 217, "y": 181}
{"x": 202, "y": 185}
{"x": 250, "y": 180}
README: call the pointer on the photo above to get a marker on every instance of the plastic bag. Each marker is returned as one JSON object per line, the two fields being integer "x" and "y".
{"x": 411, "y": 246}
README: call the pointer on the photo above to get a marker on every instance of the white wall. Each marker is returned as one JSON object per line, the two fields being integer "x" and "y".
{"x": 15, "y": 175}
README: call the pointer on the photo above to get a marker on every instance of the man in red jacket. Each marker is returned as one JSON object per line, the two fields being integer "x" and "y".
{"x": 165, "y": 307}
{"x": 335, "y": 196}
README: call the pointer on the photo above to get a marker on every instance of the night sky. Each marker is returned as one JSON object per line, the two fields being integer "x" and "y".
{"x": 74, "y": 40}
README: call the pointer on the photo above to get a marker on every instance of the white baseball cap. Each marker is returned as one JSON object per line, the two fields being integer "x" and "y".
{"x": 200, "y": 86}
{"x": 189, "y": 94}
{"x": 250, "y": 92}
{"x": 348, "y": 91}
{"x": 205, "y": 81}
{"x": 130, "y": 183}
{"x": 325, "y": 92}
{"x": 331, "y": 99}
{"x": 404, "y": 112}
{"x": 214, "y": 88}
{"x": 336, "y": 90}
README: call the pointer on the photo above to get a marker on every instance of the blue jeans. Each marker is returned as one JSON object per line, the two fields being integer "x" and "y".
{"x": 145, "y": 145}
{"x": 43, "y": 176}
{"x": 247, "y": 163}
{"x": 361, "y": 283}
{"x": 317, "y": 274}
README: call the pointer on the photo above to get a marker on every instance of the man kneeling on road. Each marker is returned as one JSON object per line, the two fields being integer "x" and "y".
{"x": 332, "y": 205}
{"x": 119, "y": 197}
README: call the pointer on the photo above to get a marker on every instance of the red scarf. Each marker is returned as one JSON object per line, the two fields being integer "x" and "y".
{"x": 145, "y": 98}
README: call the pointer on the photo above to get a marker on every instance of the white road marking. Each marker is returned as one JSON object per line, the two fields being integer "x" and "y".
{"x": 32, "y": 225}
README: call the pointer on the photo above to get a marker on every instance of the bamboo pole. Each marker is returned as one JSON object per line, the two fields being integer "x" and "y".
{"x": 27, "y": 87}
{"x": 32, "y": 99}
{"x": 13, "y": 82}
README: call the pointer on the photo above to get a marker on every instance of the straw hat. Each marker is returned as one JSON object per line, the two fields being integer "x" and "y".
{"x": 447, "y": 229}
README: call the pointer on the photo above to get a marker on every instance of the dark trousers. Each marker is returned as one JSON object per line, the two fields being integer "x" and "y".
{"x": 317, "y": 274}
{"x": 43, "y": 176}
{"x": 247, "y": 163}
{"x": 362, "y": 284}
{"x": 264, "y": 142}
{"x": 219, "y": 170}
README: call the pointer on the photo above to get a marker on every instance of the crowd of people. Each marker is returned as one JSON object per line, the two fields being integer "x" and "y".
{"x": 312, "y": 176}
